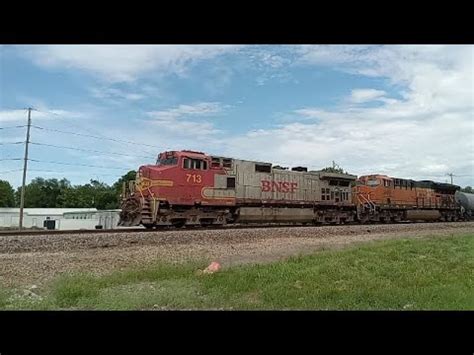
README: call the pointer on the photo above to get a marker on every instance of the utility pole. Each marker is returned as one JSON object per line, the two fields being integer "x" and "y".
{"x": 451, "y": 175}
{"x": 25, "y": 166}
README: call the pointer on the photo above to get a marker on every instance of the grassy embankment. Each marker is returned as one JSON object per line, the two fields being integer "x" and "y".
{"x": 431, "y": 273}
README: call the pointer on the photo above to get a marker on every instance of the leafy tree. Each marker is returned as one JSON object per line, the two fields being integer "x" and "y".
{"x": 468, "y": 189}
{"x": 131, "y": 175}
{"x": 43, "y": 192}
{"x": 95, "y": 194}
{"x": 76, "y": 197}
{"x": 334, "y": 169}
{"x": 60, "y": 193}
{"x": 7, "y": 194}
{"x": 104, "y": 196}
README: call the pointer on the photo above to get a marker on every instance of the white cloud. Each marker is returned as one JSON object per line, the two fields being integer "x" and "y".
{"x": 422, "y": 128}
{"x": 197, "y": 109}
{"x": 21, "y": 116}
{"x": 124, "y": 63}
{"x": 365, "y": 95}
{"x": 179, "y": 119}
{"x": 114, "y": 93}
{"x": 220, "y": 77}
{"x": 189, "y": 128}
{"x": 399, "y": 147}
{"x": 272, "y": 60}
{"x": 441, "y": 76}
{"x": 426, "y": 133}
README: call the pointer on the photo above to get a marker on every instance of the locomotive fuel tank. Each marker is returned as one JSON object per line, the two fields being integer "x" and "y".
{"x": 423, "y": 215}
{"x": 275, "y": 215}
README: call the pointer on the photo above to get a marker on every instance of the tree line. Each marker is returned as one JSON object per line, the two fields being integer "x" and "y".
{"x": 54, "y": 193}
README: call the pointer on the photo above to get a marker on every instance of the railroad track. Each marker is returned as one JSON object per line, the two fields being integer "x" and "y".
{"x": 142, "y": 230}
{"x": 74, "y": 231}
{"x": 170, "y": 229}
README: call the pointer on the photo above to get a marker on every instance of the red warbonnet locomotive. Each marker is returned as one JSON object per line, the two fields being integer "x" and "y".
{"x": 192, "y": 188}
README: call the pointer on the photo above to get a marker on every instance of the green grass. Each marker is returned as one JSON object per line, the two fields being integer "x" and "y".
{"x": 431, "y": 273}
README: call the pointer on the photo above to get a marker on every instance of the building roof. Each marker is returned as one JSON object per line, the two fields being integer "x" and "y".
{"x": 46, "y": 211}
{"x": 98, "y": 211}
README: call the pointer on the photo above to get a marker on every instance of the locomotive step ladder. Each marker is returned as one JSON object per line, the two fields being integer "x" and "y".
{"x": 146, "y": 212}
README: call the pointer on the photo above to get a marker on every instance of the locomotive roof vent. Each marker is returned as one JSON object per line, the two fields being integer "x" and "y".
{"x": 299, "y": 168}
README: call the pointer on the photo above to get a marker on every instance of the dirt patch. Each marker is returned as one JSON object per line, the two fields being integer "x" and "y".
{"x": 30, "y": 260}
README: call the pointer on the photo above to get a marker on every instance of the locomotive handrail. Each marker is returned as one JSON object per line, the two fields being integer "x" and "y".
{"x": 366, "y": 200}
{"x": 154, "y": 203}
{"x": 142, "y": 199}
{"x": 358, "y": 194}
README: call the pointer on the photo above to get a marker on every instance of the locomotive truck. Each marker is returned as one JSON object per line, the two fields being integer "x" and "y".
{"x": 189, "y": 188}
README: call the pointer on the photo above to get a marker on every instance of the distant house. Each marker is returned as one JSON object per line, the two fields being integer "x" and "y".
{"x": 60, "y": 218}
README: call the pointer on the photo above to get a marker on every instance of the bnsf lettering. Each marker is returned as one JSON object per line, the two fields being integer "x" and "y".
{"x": 279, "y": 186}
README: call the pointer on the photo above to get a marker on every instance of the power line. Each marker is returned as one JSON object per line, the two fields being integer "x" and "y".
{"x": 11, "y": 159}
{"x": 10, "y": 171}
{"x": 51, "y": 171}
{"x": 91, "y": 132}
{"x": 92, "y": 151}
{"x": 64, "y": 163}
{"x": 96, "y": 137}
{"x": 62, "y": 172}
{"x": 6, "y": 143}
{"x": 13, "y": 127}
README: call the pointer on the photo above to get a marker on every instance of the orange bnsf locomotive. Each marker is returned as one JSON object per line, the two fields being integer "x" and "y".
{"x": 192, "y": 188}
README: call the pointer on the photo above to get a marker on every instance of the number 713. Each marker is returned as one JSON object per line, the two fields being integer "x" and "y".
{"x": 194, "y": 178}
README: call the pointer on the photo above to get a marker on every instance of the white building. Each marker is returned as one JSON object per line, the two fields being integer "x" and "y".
{"x": 64, "y": 218}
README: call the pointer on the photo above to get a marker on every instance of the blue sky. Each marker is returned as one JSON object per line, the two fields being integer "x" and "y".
{"x": 404, "y": 111}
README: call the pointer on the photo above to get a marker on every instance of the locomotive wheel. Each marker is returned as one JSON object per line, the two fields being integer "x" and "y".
{"x": 148, "y": 225}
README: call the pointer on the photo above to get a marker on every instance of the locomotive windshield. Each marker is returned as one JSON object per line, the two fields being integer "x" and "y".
{"x": 167, "y": 161}
{"x": 373, "y": 182}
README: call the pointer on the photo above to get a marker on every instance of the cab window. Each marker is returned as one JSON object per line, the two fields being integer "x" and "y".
{"x": 261, "y": 168}
{"x": 387, "y": 183}
{"x": 195, "y": 164}
{"x": 373, "y": 182}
